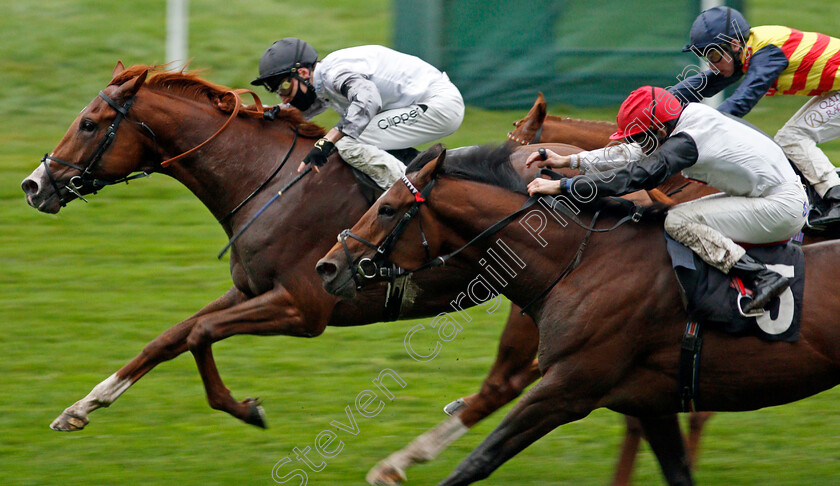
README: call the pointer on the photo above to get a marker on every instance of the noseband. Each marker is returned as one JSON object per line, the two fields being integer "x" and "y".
{"x": 85, "y": 179}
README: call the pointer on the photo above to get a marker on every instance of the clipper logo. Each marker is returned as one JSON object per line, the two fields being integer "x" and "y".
{"x": 406, "y": 118}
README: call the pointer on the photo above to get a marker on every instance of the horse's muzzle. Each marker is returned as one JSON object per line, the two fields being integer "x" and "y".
{"x": 336, "y": 278}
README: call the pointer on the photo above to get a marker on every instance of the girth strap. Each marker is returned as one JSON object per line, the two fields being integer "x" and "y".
{"x": 689, "y": 367}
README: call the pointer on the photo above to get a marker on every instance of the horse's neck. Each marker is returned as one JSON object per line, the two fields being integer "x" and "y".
{"x": 537, "y": 248}
{"x": 587, "y": 134}
{"x": 230, "y": 166}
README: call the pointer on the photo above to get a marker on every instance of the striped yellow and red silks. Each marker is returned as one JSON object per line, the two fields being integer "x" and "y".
{"x": 813, "y": 59}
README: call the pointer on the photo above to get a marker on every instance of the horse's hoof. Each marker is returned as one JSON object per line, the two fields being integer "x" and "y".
{"x": 385, "y": 474}
{"x": 67, "y": 422}
{"x": 256, "y": 414}
{"x": 454, "y": 407}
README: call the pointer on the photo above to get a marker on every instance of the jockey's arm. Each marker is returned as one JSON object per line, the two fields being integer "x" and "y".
{"x": 365, "y": 103}
{"x": 765, "y": 67}
{"x": 675, "y": 154}
{"x": 703, "y": 85}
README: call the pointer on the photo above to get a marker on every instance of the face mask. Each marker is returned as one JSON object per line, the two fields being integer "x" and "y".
{"x": 302, "y": 101}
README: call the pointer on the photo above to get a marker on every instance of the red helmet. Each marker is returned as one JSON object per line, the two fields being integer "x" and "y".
{"x": 647, "y": 108}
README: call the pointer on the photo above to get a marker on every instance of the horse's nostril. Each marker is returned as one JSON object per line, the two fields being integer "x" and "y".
{"x": 29, "y": 186}
{"x": 326, "y": 270}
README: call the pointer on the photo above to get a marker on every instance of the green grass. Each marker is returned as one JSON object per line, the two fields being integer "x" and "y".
{"x": 84, "y": 291}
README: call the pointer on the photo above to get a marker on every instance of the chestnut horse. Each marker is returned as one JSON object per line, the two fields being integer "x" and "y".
{"x": 275, "y": 292}
{"x": 623, "y": 282}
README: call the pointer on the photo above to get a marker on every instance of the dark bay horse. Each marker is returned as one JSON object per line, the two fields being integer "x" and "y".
{"x": 610, "y": 332}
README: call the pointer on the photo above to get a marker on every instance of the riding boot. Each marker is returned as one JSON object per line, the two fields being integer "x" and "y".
{"x": 766, "y": 283}
{"x": 830, "y": 213}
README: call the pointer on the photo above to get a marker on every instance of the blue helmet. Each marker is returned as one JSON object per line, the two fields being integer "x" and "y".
{"x": 717, "y": 25}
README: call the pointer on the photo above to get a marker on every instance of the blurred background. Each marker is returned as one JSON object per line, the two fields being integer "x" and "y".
{"x": 82, "y": 292}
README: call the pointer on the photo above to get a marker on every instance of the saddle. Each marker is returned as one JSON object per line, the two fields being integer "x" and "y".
{"x": 371, "y": 189}
{"x": 710, "y": 296}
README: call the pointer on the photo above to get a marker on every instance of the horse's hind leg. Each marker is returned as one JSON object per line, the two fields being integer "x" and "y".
{"x": 629, "y": 450}
{"x": 165, "y": 347}
{"x": 514, "y": 369}
{"x": 696, "y": 422}
{"x": 272, "y": 313}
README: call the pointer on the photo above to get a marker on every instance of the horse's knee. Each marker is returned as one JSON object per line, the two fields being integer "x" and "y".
{"x": 199, "y": 336}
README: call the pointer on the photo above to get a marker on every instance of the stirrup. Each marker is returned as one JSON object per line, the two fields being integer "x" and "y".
{"x": 752, "y": 313}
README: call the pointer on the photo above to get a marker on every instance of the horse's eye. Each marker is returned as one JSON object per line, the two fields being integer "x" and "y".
{"x": 87, "y": 126}
{"x": 386, "y": 211}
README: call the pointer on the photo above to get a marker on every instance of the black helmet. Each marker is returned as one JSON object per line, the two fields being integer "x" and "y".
{"x": 285, "y": 57}
{"x": 715, "y": 26}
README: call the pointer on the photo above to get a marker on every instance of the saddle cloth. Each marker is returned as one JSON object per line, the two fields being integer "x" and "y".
{"x": 710, "y": 296}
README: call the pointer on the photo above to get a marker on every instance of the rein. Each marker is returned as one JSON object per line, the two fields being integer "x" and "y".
{"x": 376, "y": 269}
{"x": 236, "y": 107}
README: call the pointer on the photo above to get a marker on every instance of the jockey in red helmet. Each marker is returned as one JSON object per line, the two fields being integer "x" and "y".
{"x": 762, "y": 198}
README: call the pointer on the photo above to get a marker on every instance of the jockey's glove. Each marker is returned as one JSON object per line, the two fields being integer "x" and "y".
{"x": 318, "y": 155}
{"x": 271, "y": 113}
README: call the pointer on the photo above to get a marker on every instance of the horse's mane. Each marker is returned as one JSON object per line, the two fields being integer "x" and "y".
{"x": 490, "y": 164}
{"x": 190, "y": 85}
{"x": 600, "y": 123}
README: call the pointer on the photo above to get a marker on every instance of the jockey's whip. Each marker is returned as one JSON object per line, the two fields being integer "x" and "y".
{"x": 262, "y": 209}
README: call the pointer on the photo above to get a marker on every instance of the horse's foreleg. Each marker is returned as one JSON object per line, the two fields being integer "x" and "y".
{"x": 165, "y": 347}
{"x": 545, "y": 407}
{"x": 272, "y": 313}
{"x": 514, "y": 369}
{"x": 665, "y": 439}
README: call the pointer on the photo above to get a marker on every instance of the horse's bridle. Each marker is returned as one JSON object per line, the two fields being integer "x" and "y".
{"x": 85, "y": 180}
{"x": 522, "y": 141}
{"x": 380, "y": 265}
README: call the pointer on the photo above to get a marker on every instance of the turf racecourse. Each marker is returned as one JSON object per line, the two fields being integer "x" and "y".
{"x": 82, "y": 292}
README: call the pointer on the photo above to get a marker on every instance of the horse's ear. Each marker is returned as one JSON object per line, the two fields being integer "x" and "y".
{"x": 117, "y": 69}
{"x": 541, "y": 107}
{"x": 431, "y": 168}
{"x": 131, "y": 87}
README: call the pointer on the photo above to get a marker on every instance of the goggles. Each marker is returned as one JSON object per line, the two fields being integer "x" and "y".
{"x": 282, "y": 85}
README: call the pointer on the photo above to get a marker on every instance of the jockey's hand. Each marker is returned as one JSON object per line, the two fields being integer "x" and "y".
{"x": 546, "y": 186}
{"x": 547, "y": 158}
{"x": 271, "y": 113}
{"x": 318, "y": 155}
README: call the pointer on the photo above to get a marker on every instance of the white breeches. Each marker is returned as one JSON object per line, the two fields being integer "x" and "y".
{"x": 817, "y": 121}
{"x": 432, "y": 119}
{"x": 711, "y": 225}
